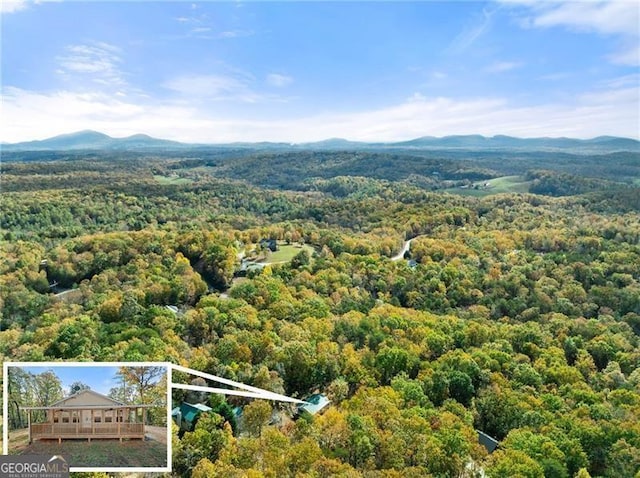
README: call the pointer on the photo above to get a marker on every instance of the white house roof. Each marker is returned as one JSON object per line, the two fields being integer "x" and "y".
{"x": 77, "y": 398}
{"x": 314, "y": 403}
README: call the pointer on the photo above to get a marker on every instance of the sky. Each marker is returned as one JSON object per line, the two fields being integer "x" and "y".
{"x": 217, "y": 72}
{"x": 100, "y": 378}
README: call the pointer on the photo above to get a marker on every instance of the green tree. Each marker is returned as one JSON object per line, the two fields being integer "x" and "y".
{"x": 460, "y": 387}
{"x": 512, "y": 463}
{"x": 77, "y": 386}
{"x": 255, "y": 416}
{"x": 391, "y": 361}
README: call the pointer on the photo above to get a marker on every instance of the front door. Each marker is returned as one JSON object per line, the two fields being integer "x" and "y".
{"x": 86, "y": 421}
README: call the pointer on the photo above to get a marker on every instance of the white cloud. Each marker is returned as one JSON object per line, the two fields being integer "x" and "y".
{"x": 207, "y": 86}
{"x": 197, "y": 26}
{"x": 230, "y": 87}
{"x": 29, "y": 115}
{"x": 279, "y": 81}
{"x": 12, "y": 6}
{"x": 609, "y": 17}
{"x": 471, "y": 33}
{"x": 502, "y": 66}
{"x": 630, "y": 56}
{"x": 97, "y": 60}
{"x": 621, "y": 82}
{"x": 63, "y": 111}
{"x": 620, "y": 18}
{"x": 236, "y": 34}
{"x": 610, "y": 110}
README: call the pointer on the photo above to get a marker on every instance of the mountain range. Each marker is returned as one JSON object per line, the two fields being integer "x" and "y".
{"x": 93, "y": 140}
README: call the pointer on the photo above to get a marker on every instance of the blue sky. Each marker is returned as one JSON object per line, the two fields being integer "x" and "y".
{"x": 304, "y": 71}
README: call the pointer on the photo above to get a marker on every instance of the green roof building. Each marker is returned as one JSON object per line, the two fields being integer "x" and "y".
{"x": 186, "y": 415}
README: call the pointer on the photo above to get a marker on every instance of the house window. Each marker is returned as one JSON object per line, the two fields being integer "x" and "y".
{"x": 75, "y": 419}
{"x": 97, "y": 419}
{"x": 55, "y": 419}
{"x": 107, "y": 419}
{"x": 65, "y": 419}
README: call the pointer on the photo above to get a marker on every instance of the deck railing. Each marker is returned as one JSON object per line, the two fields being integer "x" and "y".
{"x": 78, "y": 430}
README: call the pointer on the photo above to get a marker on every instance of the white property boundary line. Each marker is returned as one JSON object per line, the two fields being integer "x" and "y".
{"x": 255, "y": 391}
{"x": 245, "y": 391}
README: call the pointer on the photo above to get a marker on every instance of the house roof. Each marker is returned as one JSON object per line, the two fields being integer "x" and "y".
{"x": 108, "y": 402}
{"x": 315, "y": 403}
{"x": 84, "y": 392}
{"x": 190, "y": 411}
{"x": 90, "y": 407}
{"x": 487, "y": 441}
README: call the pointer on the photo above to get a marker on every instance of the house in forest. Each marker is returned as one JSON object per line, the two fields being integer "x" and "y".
{"x": 314, "y": 404}
{"x": 487, "y": 441}
{"x": 270, "y": 244}
{"x": 247, "y": 266}
{"x": 172, "y": 308}
{"x": 186, "y": 415}
{"x": 86, "y": 415}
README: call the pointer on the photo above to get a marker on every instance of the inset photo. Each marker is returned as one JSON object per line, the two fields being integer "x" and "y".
{"x": 98, "y": 416}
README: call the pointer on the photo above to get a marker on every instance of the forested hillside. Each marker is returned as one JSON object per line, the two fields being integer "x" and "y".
{"x": 517, "y": 315}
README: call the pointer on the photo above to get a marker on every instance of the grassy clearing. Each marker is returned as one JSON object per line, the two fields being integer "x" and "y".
{"x": 171, "y": 179}
{"x": 98, "y": 453}
{"x": 18, "y": 440}
{"x": 286, "y": 252}
{"x": 504, "y": 184}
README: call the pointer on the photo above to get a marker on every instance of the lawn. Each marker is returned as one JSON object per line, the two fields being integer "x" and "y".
{"x": 286, "y": 252}
{"x": 98, "y": 453}
{"x": 172, "y": 179}
{"x": 504, "y": 184}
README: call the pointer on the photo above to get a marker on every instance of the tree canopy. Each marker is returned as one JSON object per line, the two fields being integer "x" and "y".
{"x": 514, "y": 314}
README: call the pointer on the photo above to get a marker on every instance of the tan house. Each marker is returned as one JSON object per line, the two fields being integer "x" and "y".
{"x": 88, "y": 414}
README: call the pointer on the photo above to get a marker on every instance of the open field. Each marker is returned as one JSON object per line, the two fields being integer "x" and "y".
{"x": 504, "y": 184}
{"x": 152, "y": 452}
{"x": 285, "y": 253}
{"x": 172, "y": 179}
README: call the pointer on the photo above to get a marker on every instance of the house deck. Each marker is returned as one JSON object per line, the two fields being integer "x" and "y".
{"x": 60, "y": 431}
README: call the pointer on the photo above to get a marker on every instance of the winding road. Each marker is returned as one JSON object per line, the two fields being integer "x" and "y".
{"x": 405, "y": 247}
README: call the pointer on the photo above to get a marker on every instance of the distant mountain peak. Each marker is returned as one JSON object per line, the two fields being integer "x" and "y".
{"x": 92, "y": 140}
{"x": 83, "y": 133}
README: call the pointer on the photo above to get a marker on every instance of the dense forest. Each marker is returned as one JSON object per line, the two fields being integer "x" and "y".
{"x": 517, "y": 315}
